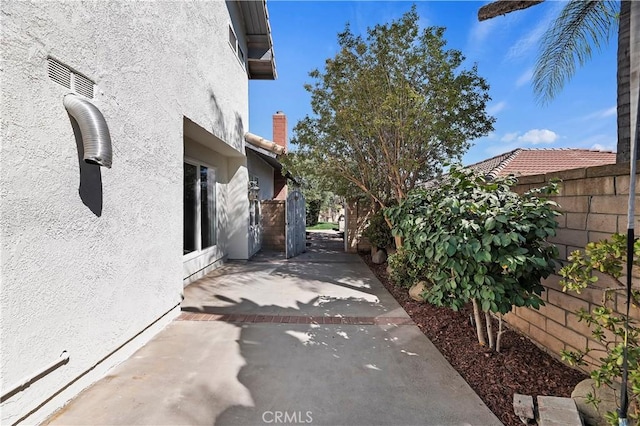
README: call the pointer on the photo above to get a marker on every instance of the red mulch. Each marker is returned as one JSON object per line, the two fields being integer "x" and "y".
{"x": 520, "y": 367}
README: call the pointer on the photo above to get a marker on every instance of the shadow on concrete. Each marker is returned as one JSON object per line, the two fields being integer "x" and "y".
{"x": 273, "y": 288}
{"x": 349, "y": 375}
{"x": 219, "y": 373}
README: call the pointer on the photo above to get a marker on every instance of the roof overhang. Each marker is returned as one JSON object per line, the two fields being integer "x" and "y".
{"x": 270, "y": 158}
{"x": 263, "y": 143}
{"x": 267, "y": 156}
{"x": 260, "y": 58}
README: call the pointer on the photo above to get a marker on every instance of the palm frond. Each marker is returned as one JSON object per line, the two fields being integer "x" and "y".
{"x": 581, "y": 26}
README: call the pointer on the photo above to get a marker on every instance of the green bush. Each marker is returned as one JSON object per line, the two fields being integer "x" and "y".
{"x": 313, "y": 212}
{"x": 402, "y": 273}
{"x": 607, "y": 325}
{"x": 378, "y": 232}
{"x": 477, "y": 241}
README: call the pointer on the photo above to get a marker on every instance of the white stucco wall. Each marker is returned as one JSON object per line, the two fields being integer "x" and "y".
{"x": 258, "y": 167}
{"x": 86, "y": 283}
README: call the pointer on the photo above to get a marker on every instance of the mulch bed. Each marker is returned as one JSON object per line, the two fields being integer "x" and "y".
{"x": 520, "y": 367}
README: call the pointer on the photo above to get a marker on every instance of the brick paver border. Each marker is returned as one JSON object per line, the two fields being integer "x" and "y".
{"x": 294, "y": 319}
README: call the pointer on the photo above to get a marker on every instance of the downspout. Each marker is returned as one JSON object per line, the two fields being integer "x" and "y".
{"x": 93, "y": 127}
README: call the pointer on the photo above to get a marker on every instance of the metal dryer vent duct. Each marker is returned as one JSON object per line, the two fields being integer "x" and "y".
{"x": 93, "y": 127}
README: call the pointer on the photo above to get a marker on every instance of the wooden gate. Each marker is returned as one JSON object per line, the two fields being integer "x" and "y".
{"x": 295, "y": 224}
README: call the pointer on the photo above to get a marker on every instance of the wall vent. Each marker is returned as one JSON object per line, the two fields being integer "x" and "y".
{"x": 83, "y": 85}
{"x": 70, "y": 79}
{"x": 59, "y": 73}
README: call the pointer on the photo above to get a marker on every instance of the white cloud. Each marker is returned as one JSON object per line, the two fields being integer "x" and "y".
{"x": 600, "y": 141}
{"x": 524, "y": 78}
{"x": 509, "y": 137}
{"x": 600, "y": 147}
{"x": 533, "y": 136}
{"x": 481, "y": 30}
{"x": 538, "y": 136}
{"x": 496, "y": 108}
{"x": 603, "y": 113}
{"x": 525, "y": 44}
{"x": 609, "y": 112}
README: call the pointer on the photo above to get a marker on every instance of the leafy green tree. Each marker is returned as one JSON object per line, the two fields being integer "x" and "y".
{"x": 390, "y": 108}
{"x": 475, "y": 240}
{"x": 607, "y": 325}
{"x": 312, "y": 183}
{"x": 377, "y": 231}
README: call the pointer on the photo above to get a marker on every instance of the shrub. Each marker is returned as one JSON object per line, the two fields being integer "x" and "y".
{"x": 313, "y": 212}
{"x": 402, "y": 273}
{"x": 477, "y": 241}
{"x": 607, "y": 325}
{"x": 378, "y": 232}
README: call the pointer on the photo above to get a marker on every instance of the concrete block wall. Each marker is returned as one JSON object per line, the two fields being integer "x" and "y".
{"x": 358, "y": 213}
{"x": 273, "y": 224}
{"x": 594, "y": 205}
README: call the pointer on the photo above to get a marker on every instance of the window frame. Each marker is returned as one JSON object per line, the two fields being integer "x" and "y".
{"x": 199, "y": 251}
{"x": 238, "y": 51}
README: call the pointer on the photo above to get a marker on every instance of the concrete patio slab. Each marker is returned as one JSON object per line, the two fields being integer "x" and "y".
{"x": 307, "y": 341}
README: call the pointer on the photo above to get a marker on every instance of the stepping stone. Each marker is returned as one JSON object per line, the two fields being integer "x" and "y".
{"x": 523, "y": 407}
{"x": 557, "y": 411}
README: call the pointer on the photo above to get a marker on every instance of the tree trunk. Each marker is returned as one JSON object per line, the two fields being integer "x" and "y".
{"x": 499, "y": 338}
{"x": 628, "y": 78}
{"x": 502, "y": 7}
{"x": 476, "y": 315}
{"x": 489, "y": 323}
{"x": 398, "y": 240}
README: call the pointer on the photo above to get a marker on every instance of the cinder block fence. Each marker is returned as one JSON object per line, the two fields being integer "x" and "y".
{"x": 594, "y": 205}
{"x": 357, "y": 215}
{"x": 273, "y": 224}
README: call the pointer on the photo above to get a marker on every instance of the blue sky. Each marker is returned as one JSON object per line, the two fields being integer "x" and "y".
{"x": 505, "y": 48}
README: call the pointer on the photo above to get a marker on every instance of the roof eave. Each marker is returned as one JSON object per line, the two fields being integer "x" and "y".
{"x": 261, "y": 59}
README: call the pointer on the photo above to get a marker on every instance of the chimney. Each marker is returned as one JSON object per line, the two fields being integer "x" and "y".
{"x": 280, "y": 190}
{"x": 280, "y": 129}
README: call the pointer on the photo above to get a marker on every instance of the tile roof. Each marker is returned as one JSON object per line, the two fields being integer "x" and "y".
{"x": 525, "y": 162}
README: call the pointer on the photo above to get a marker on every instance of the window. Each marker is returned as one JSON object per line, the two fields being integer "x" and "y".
{"x": 200, "y": 227}
{"x": 240, "y": 54}
{"x": 233, "y": 40}
{"x": 235, "y": 46}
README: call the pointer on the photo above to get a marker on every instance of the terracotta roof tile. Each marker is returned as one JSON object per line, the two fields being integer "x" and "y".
{"x": 526, "y": 162}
